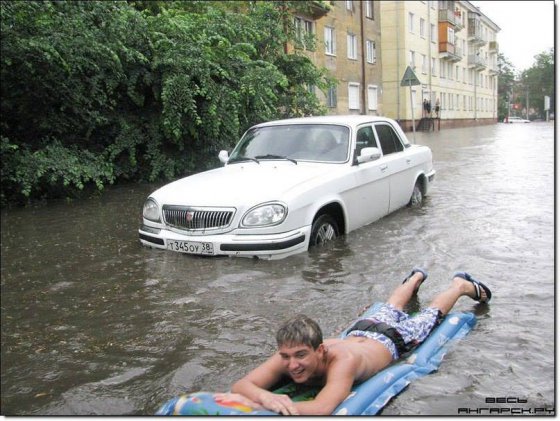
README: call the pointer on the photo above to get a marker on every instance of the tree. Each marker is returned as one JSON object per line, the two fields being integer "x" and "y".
{"x": 538, "y": 81}
{"x": 506, "y": 82}
{"x": 103, "y": 91}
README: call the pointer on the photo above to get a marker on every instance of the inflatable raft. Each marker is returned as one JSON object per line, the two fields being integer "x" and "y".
{"x": 367, "y": 398}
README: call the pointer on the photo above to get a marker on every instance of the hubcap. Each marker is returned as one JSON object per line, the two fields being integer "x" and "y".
{"x": 416, "y": 197}
{"x": 325, "y": 233}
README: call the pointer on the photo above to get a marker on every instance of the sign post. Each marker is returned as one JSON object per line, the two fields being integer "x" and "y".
{"x": 409, "y": 79}
{"x": 546, "y": 105}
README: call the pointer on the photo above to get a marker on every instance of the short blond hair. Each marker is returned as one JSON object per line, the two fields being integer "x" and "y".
{"x": 299, "y": 330}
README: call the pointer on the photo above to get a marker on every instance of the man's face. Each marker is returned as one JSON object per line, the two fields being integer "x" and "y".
{"x": 301, "y": 361}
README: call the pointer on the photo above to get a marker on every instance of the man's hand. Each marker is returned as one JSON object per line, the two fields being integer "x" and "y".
{"x": 278, "y": 403}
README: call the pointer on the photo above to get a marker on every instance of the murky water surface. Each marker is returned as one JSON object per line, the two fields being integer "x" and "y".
{"x": 94, "y": 323}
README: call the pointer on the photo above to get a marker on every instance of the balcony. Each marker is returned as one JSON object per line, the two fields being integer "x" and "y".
{"x": 319, "y": 8}
{"x": 493, "y": 47}
{"x": 475, "y": 36}
{"x": 493, "y": 69}
{"x": 475, "y": 30}
{"x": 451, "y": 17}
{"x": 450, "y": 52}
{"x": 476, "y": 62}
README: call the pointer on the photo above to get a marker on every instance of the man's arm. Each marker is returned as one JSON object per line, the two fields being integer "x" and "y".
{"x": 255, "y": 386}
{"x": 340, "y": 379}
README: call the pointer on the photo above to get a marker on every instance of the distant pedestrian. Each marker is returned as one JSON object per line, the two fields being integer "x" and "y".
{"x": 437, "y": 107}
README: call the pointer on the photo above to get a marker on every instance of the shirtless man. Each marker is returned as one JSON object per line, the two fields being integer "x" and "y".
{"x": 336, "y": 364}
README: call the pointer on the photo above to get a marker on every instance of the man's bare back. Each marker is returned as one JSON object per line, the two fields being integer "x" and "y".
{"x": 370, "y": 355}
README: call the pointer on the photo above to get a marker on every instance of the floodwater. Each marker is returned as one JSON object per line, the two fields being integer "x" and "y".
{"x": 94, "y": 323}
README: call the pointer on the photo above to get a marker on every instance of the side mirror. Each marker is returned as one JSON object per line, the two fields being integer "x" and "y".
{"x": 369, "y": 154}
{"x": 223, "y": 156}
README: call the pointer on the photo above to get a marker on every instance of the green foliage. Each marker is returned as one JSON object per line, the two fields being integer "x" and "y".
{"x": 538, "y": 81}
{"x": 101, "y": 91}
{"x": 506, "y": 81}
{"x": 534, "y": 83}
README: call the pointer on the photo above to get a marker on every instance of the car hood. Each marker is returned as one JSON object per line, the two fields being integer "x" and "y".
{"x": 241, "y": 184}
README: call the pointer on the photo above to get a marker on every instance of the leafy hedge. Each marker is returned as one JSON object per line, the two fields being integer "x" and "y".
{"x": 98, "y": 92}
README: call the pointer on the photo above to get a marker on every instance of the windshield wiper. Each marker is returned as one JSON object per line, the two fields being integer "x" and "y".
{"x": 269, "y": 156}
{"x": 242, "y": 158}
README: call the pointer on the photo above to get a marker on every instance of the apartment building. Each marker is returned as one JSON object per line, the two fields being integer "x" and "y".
{"x": 348, "y": 39}
{"x": 451, "y": 47}
{"x": 367, "y": 45}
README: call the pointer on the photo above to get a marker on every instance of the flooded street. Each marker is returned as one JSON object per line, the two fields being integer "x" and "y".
{"x": 94, "y": 323}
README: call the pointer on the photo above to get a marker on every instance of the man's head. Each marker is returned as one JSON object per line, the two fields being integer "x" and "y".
{"x": 299, "y": 330}
{"x": 300, "y": 345}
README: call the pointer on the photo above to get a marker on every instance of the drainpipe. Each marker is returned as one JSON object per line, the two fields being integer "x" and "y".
{"x": 429, "y": 52}
{"x": 398, "y": 76}
{"x": 363, "y": 41}
{"x": 475, "y": 98}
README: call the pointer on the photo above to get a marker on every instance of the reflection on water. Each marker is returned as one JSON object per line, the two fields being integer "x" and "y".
{"x": 93, "y": 323}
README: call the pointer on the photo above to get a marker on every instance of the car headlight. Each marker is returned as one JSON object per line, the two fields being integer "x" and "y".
{"x": 151, "y": 210}
{"x": 264, "y": 215}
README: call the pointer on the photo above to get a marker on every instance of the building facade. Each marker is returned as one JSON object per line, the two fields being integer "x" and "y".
{"x": 452, "y": 49}
{"x": 348, "y": 39}
{"x": 451, "y": 46}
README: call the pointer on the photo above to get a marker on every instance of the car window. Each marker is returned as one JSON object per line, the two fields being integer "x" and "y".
{"x": 365, "y": 139}
{"x": 388, "y": 139}
{"x": 307, "y": 142}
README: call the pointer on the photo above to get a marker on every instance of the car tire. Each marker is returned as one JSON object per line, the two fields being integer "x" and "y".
{"x": 417, "y": 196}
{"x": 323, "y": 230}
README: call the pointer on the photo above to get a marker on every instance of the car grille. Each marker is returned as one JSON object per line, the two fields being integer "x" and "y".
{"x": 197, "y": 218}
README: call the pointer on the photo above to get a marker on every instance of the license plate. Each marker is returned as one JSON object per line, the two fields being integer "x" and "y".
{"x": 191, "y": 247}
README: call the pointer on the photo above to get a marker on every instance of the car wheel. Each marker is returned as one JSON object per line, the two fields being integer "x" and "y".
{"x": 324, "y": 229}
{"x": 417, "y": 197}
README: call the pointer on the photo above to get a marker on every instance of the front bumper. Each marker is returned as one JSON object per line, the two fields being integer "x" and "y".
{"x": 266, "y": 246}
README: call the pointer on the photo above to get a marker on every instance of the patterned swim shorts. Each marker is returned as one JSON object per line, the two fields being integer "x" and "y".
{"x": 412, "y": 329}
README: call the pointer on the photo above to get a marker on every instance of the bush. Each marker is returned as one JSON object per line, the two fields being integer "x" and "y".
{"x": 99, "y": 92}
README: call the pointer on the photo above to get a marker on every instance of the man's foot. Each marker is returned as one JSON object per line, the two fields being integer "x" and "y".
{"x": 417, "y": 275}
{"x": 482, "y": 293}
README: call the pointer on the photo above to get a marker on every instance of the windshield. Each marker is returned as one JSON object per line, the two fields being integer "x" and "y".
{"x": 305, "y": 142}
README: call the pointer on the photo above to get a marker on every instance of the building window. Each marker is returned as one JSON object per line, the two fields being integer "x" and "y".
{"x": 412, "y": 60}
{"x": 442, "y": 69}
{"x": 353, "y": 96}
{"x": 304, "y": 33}
{"x": 411, "y": 22}
{"x": 433, "y": 37}
{"x": 424, "y": 64}
{"x": 422, "y": 28}
{"x": 370, "y": 51}
{"x": 433, "y": 66}
{"x": 349, "y": 5}
{"x": 330, "y": 41}
{"x": 352, "y": 46}
{"x": 372, "y": 97}
{"x": 369, "y": 9}
{"x": 331, "y": 97}
{"x": 451, "y": 36}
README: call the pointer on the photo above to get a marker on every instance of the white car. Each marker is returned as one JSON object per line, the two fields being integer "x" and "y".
{"x": 288, "y": 185}
{"x": 515, "y": 120}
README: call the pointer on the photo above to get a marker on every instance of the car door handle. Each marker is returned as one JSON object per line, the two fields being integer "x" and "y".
{"x": 408, "y": 161}
{"x": 383, "y": 168}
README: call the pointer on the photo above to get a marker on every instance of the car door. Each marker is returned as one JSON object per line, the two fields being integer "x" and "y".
{"x": 397, "y": 164}
{"x": 369, "y": 200}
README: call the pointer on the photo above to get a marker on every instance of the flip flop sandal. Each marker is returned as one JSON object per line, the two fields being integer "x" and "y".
{"x": 477, "y": 286}
{"x": 415, "y": 270}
